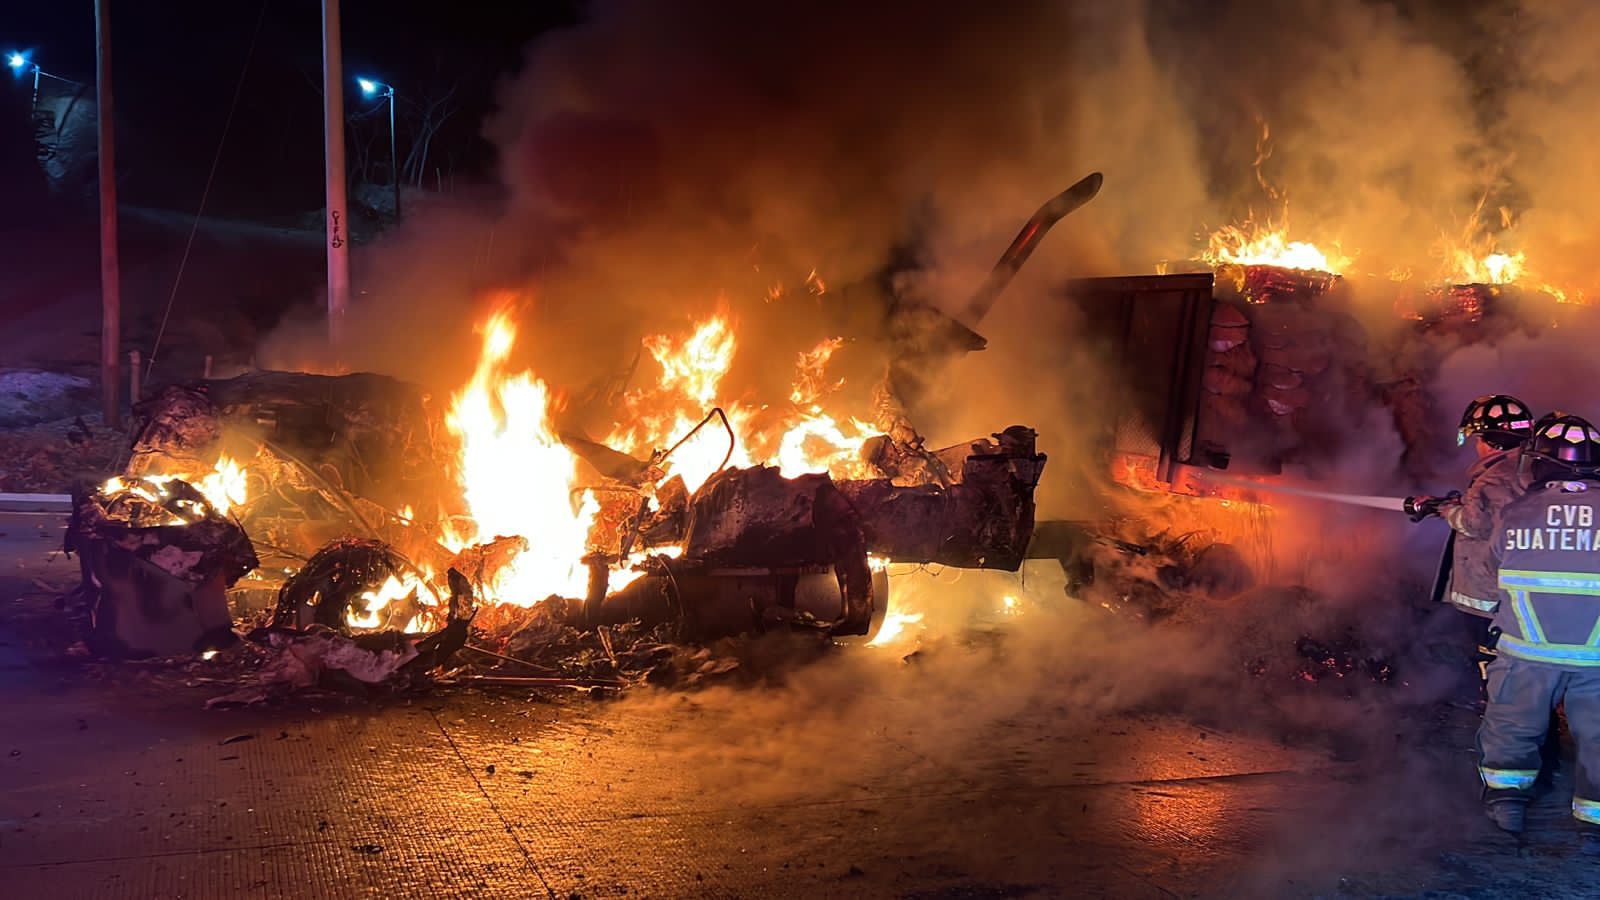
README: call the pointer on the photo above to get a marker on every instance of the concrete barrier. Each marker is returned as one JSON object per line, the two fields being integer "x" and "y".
{"x": 36, "y": 503}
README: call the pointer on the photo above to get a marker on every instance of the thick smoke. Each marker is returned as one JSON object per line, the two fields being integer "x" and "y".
{"x": 661, "y": 162}
{"x": 1372, "y": 139}
{"x": 665, "y": 160}
{"x": 1547, "y": 134}
{"x": 658, "y": 160}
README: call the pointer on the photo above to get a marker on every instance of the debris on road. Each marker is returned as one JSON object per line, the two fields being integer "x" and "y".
{"x": 322, "y": 657}
{"x": 157, "y": 559}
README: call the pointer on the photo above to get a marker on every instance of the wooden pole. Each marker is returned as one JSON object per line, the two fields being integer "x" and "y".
{"x": 110, "y": 281}
{"x": 333, "y": 126}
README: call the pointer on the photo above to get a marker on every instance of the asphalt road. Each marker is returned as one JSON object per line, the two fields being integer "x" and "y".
{"x": 865, "y": 776}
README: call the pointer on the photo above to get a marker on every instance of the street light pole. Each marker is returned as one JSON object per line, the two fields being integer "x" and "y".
{"x": 333, "y": 147}
{"x": 110, "y": 280}
{"x": 394, "y": 157}
{"x": 21, "y": 62}
{"x": 369, "y": 88}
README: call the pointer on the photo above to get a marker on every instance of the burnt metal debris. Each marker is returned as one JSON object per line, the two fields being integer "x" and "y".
{"x": 330, "y": 460}
{"x": 326, "y": 588}
{"x": 156, "y": 560}
{"x": 761, "y": 550}
{"x": 297, "y": 659}
{"x": 325, "y": 457}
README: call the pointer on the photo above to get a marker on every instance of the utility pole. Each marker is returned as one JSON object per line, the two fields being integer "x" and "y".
{"x": 110, "y": 281}
{"x": 333, "y": 124}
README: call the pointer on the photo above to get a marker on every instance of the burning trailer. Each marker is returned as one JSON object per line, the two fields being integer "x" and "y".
{"x": 1270, "y": 377}
{"x": 1274, "y": 370}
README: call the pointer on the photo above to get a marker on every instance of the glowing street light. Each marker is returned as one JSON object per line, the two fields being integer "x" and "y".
{"x": 20, "y": 63}
{"x": 372, "y": 88}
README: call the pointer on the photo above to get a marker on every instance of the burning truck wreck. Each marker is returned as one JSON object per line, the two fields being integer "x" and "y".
{"x": 349, "y": 507}
{"x": 361, "y": 504}
{"x": 750, "y": 549}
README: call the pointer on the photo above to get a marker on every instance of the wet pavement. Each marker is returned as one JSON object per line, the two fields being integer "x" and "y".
{"x": 117, "y": 784}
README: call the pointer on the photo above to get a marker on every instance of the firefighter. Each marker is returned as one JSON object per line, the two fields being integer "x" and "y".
{"x": 1498, "y": 426}
{"x": 1547, "y": 632}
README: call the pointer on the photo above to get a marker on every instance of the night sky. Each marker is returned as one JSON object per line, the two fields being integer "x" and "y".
{"x": 176, "y": 64}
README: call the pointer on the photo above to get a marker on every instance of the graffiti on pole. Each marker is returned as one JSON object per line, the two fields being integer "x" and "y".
{"x": 336, "y": 237}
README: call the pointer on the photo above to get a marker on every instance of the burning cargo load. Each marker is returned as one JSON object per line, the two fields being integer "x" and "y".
{"x": 1275, "y": 368}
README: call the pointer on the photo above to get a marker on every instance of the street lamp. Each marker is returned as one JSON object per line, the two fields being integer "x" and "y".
{"x": 377, "y": 88}
{"x": 20, "y": 63}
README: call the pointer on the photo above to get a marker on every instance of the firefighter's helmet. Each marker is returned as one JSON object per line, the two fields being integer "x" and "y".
{"x": 1501, "y": 420}
{"x": 1564, "y": 447}
{"x": 1549, "y": 419}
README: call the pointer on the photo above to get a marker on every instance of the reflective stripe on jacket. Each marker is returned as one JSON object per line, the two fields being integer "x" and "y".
{"x": 1548, "y": 545}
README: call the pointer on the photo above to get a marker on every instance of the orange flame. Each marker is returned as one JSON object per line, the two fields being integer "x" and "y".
{"x": 374, "y": 604}
{"x": 695, "y": 367}
{"x": 1490, "y": 268}
{"x": 810, "y": 378}
{"x": 688, "y": 387}
{"x": 1266, "y": 243}
{"x": 517, "y": 477}
{"x": 1269, "y": 245}
{"x": 225, "y": 487}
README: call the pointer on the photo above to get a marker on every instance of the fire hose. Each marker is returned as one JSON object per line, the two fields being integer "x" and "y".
{"x": 1417, "y": 507}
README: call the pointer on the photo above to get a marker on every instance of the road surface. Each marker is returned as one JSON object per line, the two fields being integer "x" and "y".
{"x": 858, "y": 777}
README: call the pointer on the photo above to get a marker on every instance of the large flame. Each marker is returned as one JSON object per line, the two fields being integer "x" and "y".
{"x": 1269, "y": 245}
{"x": 1266, "y": 243}
{"x": 226, "y": 485}
{"x": 518, "y": 479}
{"x": 1489, "y": 268}
{"x": 671, "y": 413}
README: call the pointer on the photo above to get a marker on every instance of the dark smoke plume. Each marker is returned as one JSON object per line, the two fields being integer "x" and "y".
{"x": 665, "y": 160}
